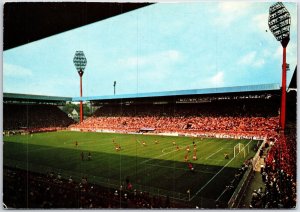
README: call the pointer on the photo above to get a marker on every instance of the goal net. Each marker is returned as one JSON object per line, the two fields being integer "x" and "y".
{"x": 241, "y": 149}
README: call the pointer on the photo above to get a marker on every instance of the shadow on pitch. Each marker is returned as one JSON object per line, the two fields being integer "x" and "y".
{"x": 162, "y": 177}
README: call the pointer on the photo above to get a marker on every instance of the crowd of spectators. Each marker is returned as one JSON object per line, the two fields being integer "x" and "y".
{"x": 21, "y": 116}
{"x": 242, "y": 118}
{"x": 51, "y": 190}
{"x": 283, "y": 154}
{"x": 279, "y": 192}
{"x": 279, "y": 174}
{"x": 195, "y": 124}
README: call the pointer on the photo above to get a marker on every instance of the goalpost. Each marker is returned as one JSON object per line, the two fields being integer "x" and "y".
{"x": 240, "y": 148}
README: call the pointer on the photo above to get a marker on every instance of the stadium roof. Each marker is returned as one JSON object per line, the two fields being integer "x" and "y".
{"x": 34, "y": 98}
{"x": 12, "y": 97}
{"x": 235, "y": 89}
{"x": 25, "y": 22}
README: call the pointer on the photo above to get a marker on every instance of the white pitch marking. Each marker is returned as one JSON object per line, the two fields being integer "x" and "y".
{"x": 169, "y": 167}
{"x": 222, "y": 194}
{"x": 216, "y": 174}
{"x": 157, "y": 157}
{"x": 139, "y": 142}
{"x": 213, "y": 153}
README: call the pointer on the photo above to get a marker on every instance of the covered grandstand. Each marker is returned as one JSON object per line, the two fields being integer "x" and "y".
{"x": 191, "y": 110}
{"x": 34, "y": 112}
{"x": 170, "y": 103}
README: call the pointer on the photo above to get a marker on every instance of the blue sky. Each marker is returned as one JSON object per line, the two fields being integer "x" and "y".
{"x": 162, "y": 47}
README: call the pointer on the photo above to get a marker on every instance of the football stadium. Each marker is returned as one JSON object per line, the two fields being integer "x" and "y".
{"x": 215, "y": 147}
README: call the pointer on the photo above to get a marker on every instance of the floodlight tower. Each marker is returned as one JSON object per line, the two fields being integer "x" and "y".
{"x": 115, "y": 83}
{"x": 279, "y": 24}
{"x": 80, "y": 63}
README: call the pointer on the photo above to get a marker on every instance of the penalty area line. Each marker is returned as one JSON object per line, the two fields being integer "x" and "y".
{"x": 145, "y": 161}
{"x": 139, "y": 142}
{"x": 221, "y": 194}
{"x": 216, "y": 174}
{"x": 213, "y": 153}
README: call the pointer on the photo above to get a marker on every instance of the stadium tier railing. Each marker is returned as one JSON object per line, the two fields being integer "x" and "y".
{"x": 256, "y": 156}
{"x": 240, "y": 189}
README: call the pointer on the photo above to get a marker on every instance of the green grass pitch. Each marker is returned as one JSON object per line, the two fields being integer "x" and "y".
{"x": 157, "y": 168}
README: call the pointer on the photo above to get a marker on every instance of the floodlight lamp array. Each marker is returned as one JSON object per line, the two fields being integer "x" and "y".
{"x": 79, "y": 61}
{"x": 279, "y": 21}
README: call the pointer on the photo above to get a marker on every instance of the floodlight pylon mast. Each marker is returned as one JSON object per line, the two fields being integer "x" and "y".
{"x": 81, "y": 106}
{"x": 283, "y": 92}
{"x": 115, "y": 87}
{"x": 80, "y": 63}
{"x": 279, "y": 24}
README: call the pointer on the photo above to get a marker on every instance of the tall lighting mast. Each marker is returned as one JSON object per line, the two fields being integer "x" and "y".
{"x": 115, "y": 83}
{"x": 279, "y": 24}
{"x": 80, "y": 63}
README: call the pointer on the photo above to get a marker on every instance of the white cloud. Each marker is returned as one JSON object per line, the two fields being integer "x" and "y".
{"x": 218, "y": 78}
{"x": 278, "y": 52}
{"x": 152, "y": 69}
{"x": 247, "y": 59}
{"x": 259, "y": 63}
{"x": 131, "y": 61}
{"x": 261, "y": 21}
{"x": 10, "y": 70}
{"x": 228, "y": 12}
{"x": 170, "y": 56}
{"x": 251, "y": 59}
{"x": 155, "y": 75}
{"x": 291, "y": 53}
{"x": 266, "y": 53}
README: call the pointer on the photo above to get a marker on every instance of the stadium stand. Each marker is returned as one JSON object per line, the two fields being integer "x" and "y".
{"x": 236, "y": 111}
{"x": 279, "y": 173}
{"x": 245, "y": 113}
{"x": 34, "y": 113}
{"x": 278, "y": 176}
{"x": 256, "y": 117}
{"x": 33, "y": 117}
{"x": 51, "y": 191}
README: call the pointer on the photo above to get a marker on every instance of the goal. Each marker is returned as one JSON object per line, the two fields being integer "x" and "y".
{"x": 240, "y": 149}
